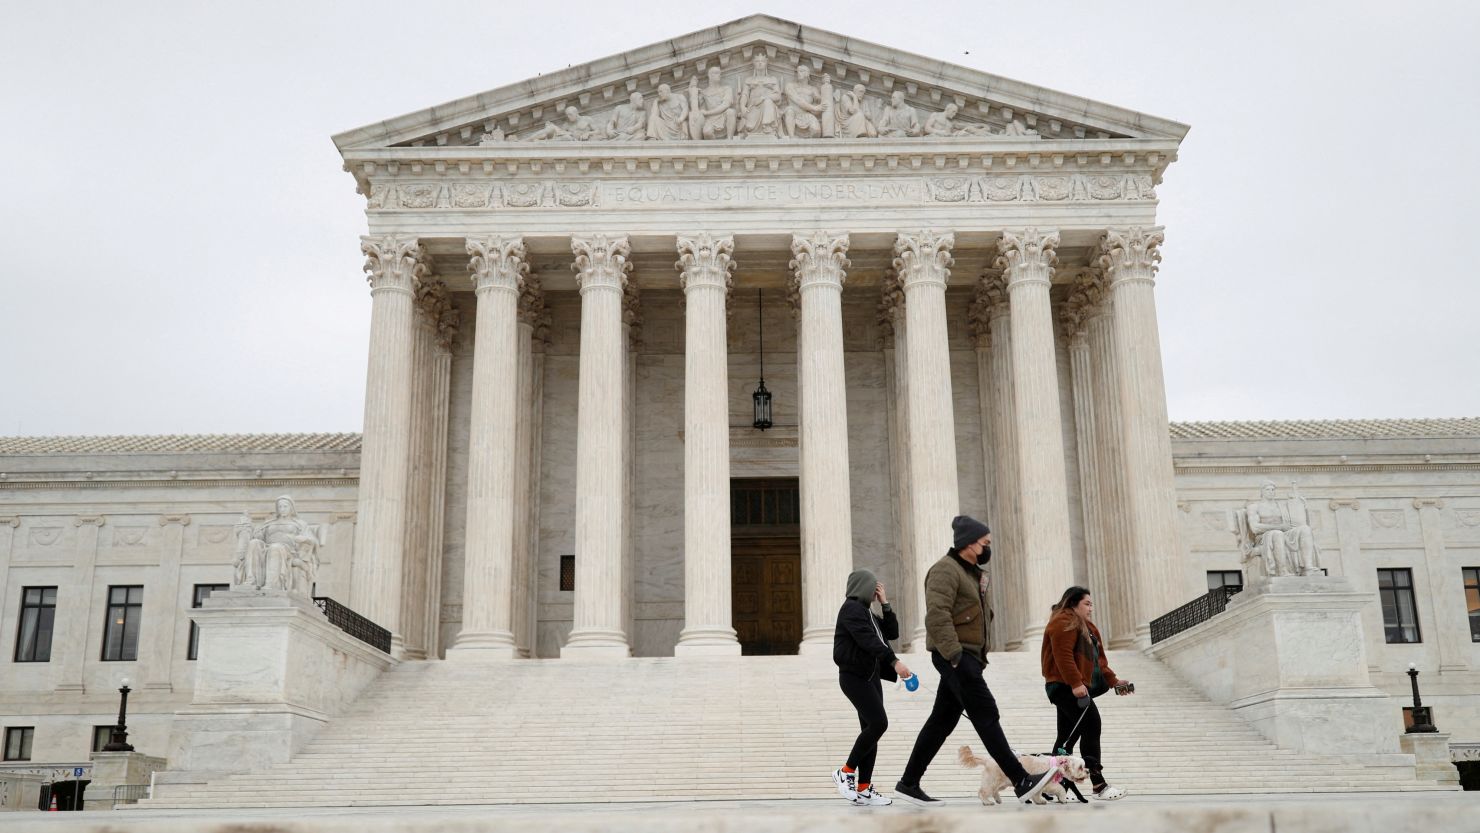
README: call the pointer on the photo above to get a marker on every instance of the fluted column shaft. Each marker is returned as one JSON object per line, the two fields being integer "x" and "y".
{"x": 910, "y": 592}
{"x": 922, "y": 261}
{"x": 1010, "y": 568}
{"x": 1129, "y": 258}
{"x": 1027, "y": 262}
{"x": 416, "y": 558}
{"x": 396, "y": 266}
{"x": 705, "y": 266}
{"x": 601, "y": 267}
{"x": 1086, "y": 440}
{"x": 530, "y": 306}
{"x": 1118, "y": 621}
{"x": 440, "y": 386}
{"x": 498, "y": 267}
{"x": 827, "y": 527}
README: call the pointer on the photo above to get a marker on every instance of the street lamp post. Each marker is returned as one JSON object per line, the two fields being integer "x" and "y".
{"x": 118, "y": 740}
{"x": 1423, "y": 718}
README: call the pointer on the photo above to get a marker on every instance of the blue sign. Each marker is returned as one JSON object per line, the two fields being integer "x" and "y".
{"x": 77, "y": 772}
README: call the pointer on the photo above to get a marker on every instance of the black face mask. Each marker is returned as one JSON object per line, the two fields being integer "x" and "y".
{"x": 985, "y": 556}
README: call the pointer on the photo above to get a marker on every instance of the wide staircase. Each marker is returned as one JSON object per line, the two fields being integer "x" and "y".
{"x": 661, "y": 729}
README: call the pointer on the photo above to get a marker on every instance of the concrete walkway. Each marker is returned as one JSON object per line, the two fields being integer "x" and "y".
{"x": 1438, "y": 812}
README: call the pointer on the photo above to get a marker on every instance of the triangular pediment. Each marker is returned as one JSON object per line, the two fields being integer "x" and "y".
{"x": 859, "y": 90}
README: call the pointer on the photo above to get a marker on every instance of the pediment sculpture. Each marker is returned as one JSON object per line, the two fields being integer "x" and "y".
{"x": 280, "y": 554}
{"x": 1277, "y": 535}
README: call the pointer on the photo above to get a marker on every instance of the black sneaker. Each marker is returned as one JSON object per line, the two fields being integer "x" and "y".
{"x": 913, "y": 794}
{"x": 1033, "y": 786}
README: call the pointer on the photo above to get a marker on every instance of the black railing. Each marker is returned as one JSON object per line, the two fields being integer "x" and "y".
{"x": 130, "y": 793}
{"x": 1195, "y": 612}
{"x": 354, "y": 624}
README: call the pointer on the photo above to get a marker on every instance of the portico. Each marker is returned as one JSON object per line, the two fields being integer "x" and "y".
{"x": 564, "y": 344}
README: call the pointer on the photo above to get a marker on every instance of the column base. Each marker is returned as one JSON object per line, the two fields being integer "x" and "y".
{"x": 1033, "y": 637}
{"x": 483, "y": 648}
{"x": 596, "y": 643}
{"x": 707, "y": 642}
{"x": 816, "y": 642}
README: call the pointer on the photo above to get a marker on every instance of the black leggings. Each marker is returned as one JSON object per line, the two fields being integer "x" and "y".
{"x": 961, "y": 688}
{"x": 867, "y": 697}
{"x": 1089, "y": 730}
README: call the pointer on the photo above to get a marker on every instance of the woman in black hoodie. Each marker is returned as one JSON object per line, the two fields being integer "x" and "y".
{"x": 863, "y": 656}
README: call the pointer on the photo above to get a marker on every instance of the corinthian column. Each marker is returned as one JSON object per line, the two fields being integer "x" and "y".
{"x": 396, "y": 266}
{"x": 827, "y": 527}
{"x": 1083, "y": 295}
{"x": 531, "y": 315}
{"x": 1027, "y": 260}
{"x": 498, "y": 267}
{"x": 1009, "y": 570}
{"x": 895, "y": 331}
{"x": 705, "y": 266}
{"x": 1119, "y": 621}
{"x": 1129, "y": 258}
{"x": 922, "y": 260}
{"x": 601, "y": 268}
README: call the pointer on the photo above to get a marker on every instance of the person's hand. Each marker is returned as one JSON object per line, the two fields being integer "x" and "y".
{"x": 1123, "y": 688}
{"x": 879, "y": 593}
{"x": 1081, "y": 691}
{"x": 902, "y": 670}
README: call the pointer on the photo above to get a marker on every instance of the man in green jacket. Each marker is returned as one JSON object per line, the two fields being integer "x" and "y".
{"x": 956, "y": 621}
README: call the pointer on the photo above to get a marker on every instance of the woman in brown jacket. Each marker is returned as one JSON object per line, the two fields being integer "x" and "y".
{"x": 1074, "y": 673}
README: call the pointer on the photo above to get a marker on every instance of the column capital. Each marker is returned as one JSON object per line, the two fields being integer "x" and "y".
{"x": 890, "y": 310}
{"x": 1428, "y": 503}
{"x": 1027, "y": 256}
{"x": 923, "y": 257}
{"x": 394, "y": 262}
{"x": 89, "y": 520}
{"x": 179, "y": 520}
{"x": 819, "y": 258}
{"x": 704, "y": 261}
{"x": 632, "y": 314}
{"x": 601, "y": 261}
{"x": 1339, "y": 504}
{"x": 497, "y": 262}
{"x": 1130, "y": 254}
{"x": 988, "y": 304}
{"x": 1085, "y": 300}
{"x": 438, "y": 311}
{"x": 11, "y": 521}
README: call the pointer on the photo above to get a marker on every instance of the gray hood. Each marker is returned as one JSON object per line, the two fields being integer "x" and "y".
{"x": 861, "y": 584}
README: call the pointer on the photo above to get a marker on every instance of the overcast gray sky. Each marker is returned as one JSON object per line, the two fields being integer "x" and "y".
{"x": 180, "y": 246}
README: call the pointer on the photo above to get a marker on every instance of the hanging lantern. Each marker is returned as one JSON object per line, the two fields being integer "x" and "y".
{"x": 761, "y": 397}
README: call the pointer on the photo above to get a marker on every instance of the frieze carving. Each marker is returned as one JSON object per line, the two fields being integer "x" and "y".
{"x": 1388, "y": 518}
{"x": 1467, "y": 517}
{"x": 45, "y": 536}
{"x": 130, "y": 536}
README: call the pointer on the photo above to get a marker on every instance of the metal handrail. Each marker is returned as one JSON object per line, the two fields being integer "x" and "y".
{"x": 354, "y": 624}
{"x": 129, "y": 793}
{"x": 1194, "y": 613}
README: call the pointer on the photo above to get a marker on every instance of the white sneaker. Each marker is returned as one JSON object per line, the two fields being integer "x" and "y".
{"x": 847, "y": 784}
{"x": 1109, "y": 793}
{"x": 869, "y": 798}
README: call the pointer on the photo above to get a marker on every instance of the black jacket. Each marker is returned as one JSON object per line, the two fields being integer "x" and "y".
{"x": 860, "y": 641}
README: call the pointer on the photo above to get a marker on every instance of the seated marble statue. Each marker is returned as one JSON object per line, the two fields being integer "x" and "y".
{"x": 577, "y": 128}
{"x": 806, "y": 106}
{"x": 629, "y": 121}
{"x": 282, "y": 554}
{"x": 898, "y": 118}
{"x": 853, "y": 118}
{"x": 668, "y": 118}
{"x": 945, "y": 124}
{"x": 760, "y": 102}
{"x": 712, "y": 109}
{"x": 1017, "y": 127}
{"x": 1278, "y": 533}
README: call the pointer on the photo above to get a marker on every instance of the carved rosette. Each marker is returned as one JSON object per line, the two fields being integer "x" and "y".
{"x": 704, "y": 260}
{"x": 923, "y": 257}
{"x": 394, "y": 262}
{"x": 819, "y": 258}
{"x": 891, "y": 306}
{"x": 601, "y": 261}
{"x": 1027, "y": 256}
{"x": 497, "y": 262}
{"x": 1131, "y": 254}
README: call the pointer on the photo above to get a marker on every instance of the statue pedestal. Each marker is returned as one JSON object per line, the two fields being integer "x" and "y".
{"x": 1430, "y": 751}
{"x": 112, "y": 769}
{"x": 271, "y": 672}
{"x": 1288, "y": 656}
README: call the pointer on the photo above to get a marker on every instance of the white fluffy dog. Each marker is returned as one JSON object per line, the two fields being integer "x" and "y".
{"x": 993, "y": 780}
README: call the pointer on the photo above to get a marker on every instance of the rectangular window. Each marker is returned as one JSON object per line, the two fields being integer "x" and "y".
{"x": 1399, "y": 610}
{"x": 1225, "y": 578}
{"x": 101, "y": 736}
{"x": 38, "y": 616}
{"x": 125, "y": 609}
{"x": 18, "y": 743}
{"x": 1472, "y": 600}
{"x": 567, "y": 573}
{"x": 202, "y": 592}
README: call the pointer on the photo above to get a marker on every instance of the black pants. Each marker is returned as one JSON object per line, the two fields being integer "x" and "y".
{"x": 961, "y": 688}
{"x": 867, "y": 697}
{"x": 1089, "y": 731}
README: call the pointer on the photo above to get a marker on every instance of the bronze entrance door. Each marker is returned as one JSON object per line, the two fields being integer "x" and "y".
{"x": 766, "y": 565}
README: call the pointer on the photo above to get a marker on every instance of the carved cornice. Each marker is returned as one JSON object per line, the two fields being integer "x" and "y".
{"x": 601, "y": 261}
{"x": 497, "y": 263}
{"x": 1028, "y": 256}
{"x": 1131, "y": 254}
{"x": 705, "y": 261}
{"x": 819, "y": 259}
{"x": 394, "y": 262}
{"x": 923, "y": 257}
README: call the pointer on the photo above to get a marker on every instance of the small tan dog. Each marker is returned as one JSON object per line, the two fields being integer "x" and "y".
{"x": 993, "y": 780}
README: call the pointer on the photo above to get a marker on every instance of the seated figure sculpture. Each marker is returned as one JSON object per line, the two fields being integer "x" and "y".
{"x": 629, "y": 121}
{"x": 281, "y": 554}
{"x": 1278, "y": 533}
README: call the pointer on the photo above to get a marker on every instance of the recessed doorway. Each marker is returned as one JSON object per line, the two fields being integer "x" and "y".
{"x": 766, "y": 564}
